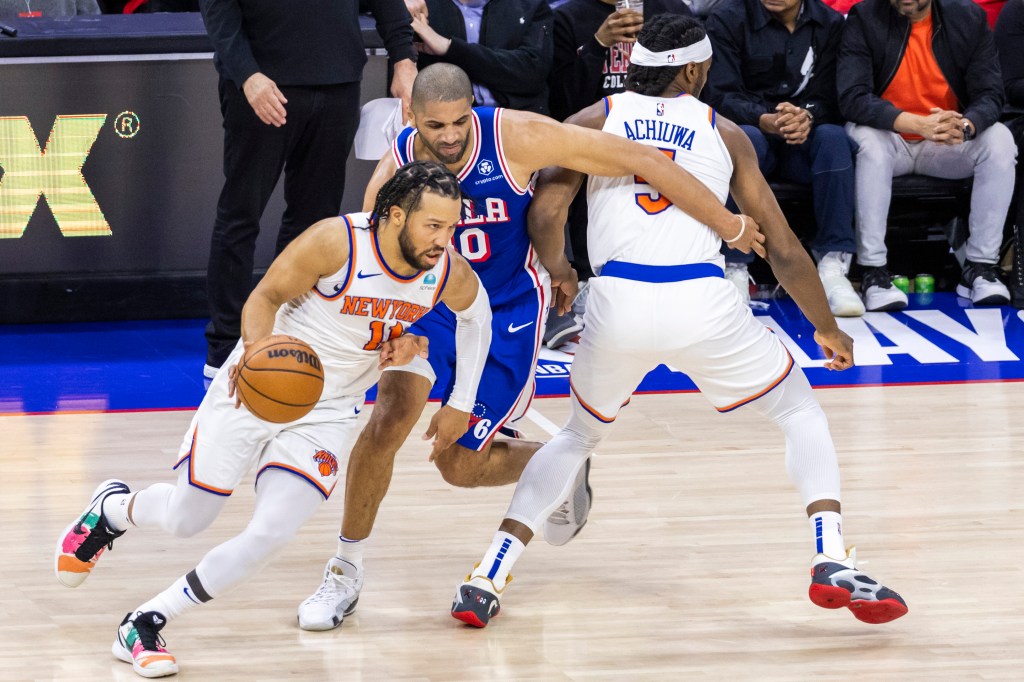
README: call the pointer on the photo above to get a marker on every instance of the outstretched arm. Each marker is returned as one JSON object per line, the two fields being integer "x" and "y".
{"x": 543, "y": 142}
{"x": 790, "y": 262}
{"x": 467, "y": 298}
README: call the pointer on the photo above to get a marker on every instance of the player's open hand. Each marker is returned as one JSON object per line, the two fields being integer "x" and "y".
{"x": 402, "y": 350}
{"x": 745, "y": 235}
{"x": 265, "y": 99}
{"x": 838, "y": 347}
{"x": 446, "y": 426}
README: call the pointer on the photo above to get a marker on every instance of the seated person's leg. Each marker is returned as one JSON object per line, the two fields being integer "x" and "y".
{"x": 881, "y": 155}
{"x": 990, "y": 159}
{"x": 825, "y": 162}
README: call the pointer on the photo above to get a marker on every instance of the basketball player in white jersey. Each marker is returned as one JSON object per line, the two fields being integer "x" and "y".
{"x": 652, "y": 258}
{"x": 348, "y": 286}
{"x": 494, "y": 153}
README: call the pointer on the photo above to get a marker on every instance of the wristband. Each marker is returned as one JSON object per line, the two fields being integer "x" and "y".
{"x": 743, "y": 227}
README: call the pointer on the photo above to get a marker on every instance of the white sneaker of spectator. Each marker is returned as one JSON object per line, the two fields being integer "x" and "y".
{"x": 738, "y": 275}
{"x": 842, "y": 299}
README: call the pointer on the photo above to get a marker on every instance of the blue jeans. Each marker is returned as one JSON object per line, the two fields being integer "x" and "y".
{"x": 825, "y": 162}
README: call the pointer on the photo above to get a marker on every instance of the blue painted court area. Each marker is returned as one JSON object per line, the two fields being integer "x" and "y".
{"x": 158, "y": 365}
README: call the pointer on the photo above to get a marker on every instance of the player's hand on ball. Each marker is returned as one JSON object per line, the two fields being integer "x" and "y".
{"x": 402, "y": 350}
{"x": 233, "y": 371}
{"x": 446, "y": 426}
{"x": 838, "y": 347}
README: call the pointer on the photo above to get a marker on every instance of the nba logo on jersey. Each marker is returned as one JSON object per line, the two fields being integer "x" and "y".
{"x": 485, "y": 167}
{"x": 660, "y": 109}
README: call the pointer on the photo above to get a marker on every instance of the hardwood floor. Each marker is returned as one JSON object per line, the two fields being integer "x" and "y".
{"x": 694, "y": 564}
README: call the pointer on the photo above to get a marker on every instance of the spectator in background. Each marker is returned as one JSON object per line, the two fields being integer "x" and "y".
{"x": 1009, "y": 38}
{"x": 46, "y": 9}
{"x": 774, "y": 73}
{"x": 919, "y": 81}
{"x": 503, "y": 45}
{"x": 992, "y": 7}
{"x": 289, "y": 94}
{"x": 593, "y": 41}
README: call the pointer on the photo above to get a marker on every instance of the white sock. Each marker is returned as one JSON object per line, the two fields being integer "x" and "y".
{"x": 115, "y": 509}
{"x": 185, "y": 593}
{"x": 499, "y": 558}
{"x": 828, "y": 534}
{"x": 351, "y": 551}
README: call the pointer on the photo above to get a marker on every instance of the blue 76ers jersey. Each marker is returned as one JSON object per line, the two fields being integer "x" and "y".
{"x": 492, "y": 234}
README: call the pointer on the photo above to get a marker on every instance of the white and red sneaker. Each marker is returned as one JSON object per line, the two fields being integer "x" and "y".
{"x": 838, "y": 583}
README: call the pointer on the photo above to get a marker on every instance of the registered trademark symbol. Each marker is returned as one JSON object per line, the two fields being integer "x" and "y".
{"x": 126, "y": 124}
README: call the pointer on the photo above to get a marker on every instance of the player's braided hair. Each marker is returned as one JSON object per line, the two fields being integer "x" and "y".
{"x": 408, "y": 184}
{"x": 662, "y": 33}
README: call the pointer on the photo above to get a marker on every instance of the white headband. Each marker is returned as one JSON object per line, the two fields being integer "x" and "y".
{"x": 698, "y": 52}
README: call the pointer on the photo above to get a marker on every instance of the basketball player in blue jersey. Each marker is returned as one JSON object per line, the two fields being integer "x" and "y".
{"x": 650, "y": 257}
{"x": 393, "y": 262}
{"x": 494, "y": 153}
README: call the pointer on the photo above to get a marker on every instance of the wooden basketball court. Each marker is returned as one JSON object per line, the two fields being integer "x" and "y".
{"x": 694, "y": 564}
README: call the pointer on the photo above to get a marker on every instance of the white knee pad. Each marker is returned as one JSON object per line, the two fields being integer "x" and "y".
{"x": 811, "y": 460}
{"x": 546, "y": 481}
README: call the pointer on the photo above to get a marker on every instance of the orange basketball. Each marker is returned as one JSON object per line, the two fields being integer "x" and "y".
{"x": 281, "y": 379}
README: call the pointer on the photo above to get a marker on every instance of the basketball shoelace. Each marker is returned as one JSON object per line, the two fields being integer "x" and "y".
{"x": 98, "y": 537}
{"x": 330, "y": 588}
{"x": 149, "y": 634}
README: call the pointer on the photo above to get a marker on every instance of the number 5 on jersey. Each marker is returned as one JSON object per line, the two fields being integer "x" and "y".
{"x": 651, "y": 201}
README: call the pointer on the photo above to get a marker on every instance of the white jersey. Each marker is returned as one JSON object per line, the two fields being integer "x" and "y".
{"x": 346, "y": 316}
{"x": 629, "y": 220}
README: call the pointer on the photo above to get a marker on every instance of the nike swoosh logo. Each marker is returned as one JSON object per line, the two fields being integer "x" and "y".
{"x": 360, "y": 274}
{"x": 513, "y": 329}
{"x": 191, "y": 597}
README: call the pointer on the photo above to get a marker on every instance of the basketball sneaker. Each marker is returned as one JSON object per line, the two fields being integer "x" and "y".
{"x": 336, "y": 597}
{"x": 83, "y": 542}
{"x": 879, "y": 293}
{"x": 476, "y": 600}
{"x": 835, "y": 584}
{"x": 981, "y": 284}
{"x": 833, "y": 269}
{"x": 568, "y": 520}
{"x": 139, "y": 643}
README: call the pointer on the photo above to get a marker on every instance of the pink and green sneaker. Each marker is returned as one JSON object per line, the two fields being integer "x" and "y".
{"x": 139, "y": 643}
{"x": 84, "y": 541}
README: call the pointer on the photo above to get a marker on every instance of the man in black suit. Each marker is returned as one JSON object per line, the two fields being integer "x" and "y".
{"x": 289, "y": 94}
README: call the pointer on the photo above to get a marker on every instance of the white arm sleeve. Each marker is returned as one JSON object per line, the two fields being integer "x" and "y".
{"x": 472, "y": 342}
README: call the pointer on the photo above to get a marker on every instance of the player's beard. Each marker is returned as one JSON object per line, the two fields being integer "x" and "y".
{"x": 448, "y": 158}
{"x": 416, "y": 260}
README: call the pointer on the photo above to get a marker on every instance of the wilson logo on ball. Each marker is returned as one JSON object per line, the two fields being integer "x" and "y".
{"x": 327, "y": 464}
{"x": 301, "y": 356}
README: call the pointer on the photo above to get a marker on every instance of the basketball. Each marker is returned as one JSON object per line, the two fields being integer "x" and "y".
{"x": 281, "y": 379}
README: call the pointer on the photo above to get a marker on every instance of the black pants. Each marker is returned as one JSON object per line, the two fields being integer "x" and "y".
{"x": 311, "y": 148}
